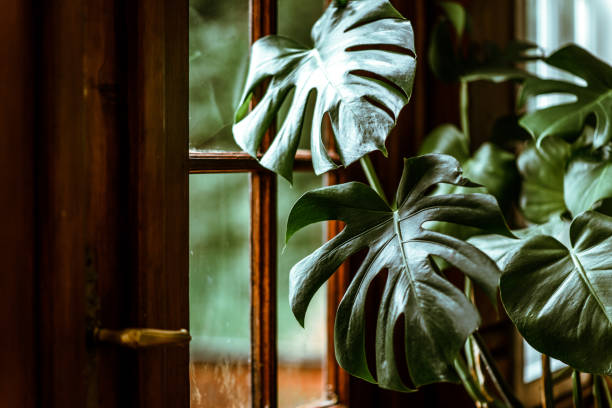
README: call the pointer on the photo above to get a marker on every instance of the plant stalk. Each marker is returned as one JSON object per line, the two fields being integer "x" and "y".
{"x": 601, "y": 392}
{"x": 370, "y": 173}
{"x": 606, "y": 389}
{"x": 472, "y": 388}
{"x": 548, "y": 400}
{"x": 469, "y": 347}
{"x": 500, "y": 383}
{"x": 598, "y": 392}
{"x": 464, "y": 108}
{"x": 576, "y": 389}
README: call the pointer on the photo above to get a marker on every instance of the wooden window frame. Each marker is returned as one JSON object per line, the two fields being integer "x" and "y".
{"x": 263, "y": 254}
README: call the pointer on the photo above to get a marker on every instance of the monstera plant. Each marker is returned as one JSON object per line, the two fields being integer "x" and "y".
{"x": 555, "y": 274}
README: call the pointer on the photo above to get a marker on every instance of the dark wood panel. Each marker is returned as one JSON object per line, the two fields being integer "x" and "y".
{"x": 105, "y": 127}
{"x": 18, "y": 381}
{"x": 62, "y": 180}
{"x": 157, "y": 114}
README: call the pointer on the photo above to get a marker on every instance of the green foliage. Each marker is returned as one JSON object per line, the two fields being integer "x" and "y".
{"x": 438, "y": 318}
{"x": 361, "y": 86}
{"x": 490, "y": 166}
{"x": 556, "y": 271}
{"x": 595, "y": 99}
{"x": 542, "y": 169}
{"x": 560, "y": 297}
{"x": 588, "y": 179}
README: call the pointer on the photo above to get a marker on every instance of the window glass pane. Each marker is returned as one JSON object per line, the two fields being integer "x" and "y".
{"x": 301, "y": 352}
{"x": 552, "y": 24}
{"x": 218, "y": 56}
{"x": 219, "y": 287}
{"x": 555, "y": 23}
{"x": 306, "y": 13}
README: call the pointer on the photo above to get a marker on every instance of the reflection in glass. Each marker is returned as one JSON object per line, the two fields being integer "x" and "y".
{"x": 219, "y": 285}
{"x": 218, "y": 55}
{"x": 301, "y": 351}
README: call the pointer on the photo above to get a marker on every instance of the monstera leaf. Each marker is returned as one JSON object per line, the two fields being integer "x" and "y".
{"x": 501, "y": 248}
{"x": 588, "y": 180}
{"x": 437, "y": 316}
{"x": 543, "y": 169}
{"x": 568, "y": 119}
{"x": 360, "y": 72}
{"x": 560, "y": 297}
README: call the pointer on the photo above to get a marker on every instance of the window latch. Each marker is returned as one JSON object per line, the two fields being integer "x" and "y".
{"x": 137, "y": 338}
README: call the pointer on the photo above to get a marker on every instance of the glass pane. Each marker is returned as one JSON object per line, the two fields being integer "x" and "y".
{"x": 218, "y": 55}
{"x": 307, "y": 13}
{"x": 555, "y": 23}
{"x": 219, "y": 287}
{"x": 301, "y": 351}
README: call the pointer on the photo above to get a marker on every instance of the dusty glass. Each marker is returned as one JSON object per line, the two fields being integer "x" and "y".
{"x": 219, "y": 286}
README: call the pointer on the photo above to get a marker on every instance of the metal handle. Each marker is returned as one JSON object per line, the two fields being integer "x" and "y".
{"x": 141, "y": 338}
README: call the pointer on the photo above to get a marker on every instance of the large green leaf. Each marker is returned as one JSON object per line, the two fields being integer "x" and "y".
{"x": 568, "y": 119}
{"x": 447, "y": 139}
{"x": 490, "y": 166}
{"x": 560, "y": 297}
{"x": 360, "y": 71}
{"x": 437, "y": 316}
{"x": 588, "y": 179}
{"x": 543, "y": 169}
{"x": 501, "y": 248}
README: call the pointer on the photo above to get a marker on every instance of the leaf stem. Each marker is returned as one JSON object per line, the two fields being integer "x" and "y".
{"x": 464, "y": 108}
{"x": 548, "y": 400}
{"x": 370, "y": 173}
{"x": 601, "y": 391}
{"x": 472, "y": 388}
{"x": 597, "y": 392}
{"x": 469, "y": 347}
{"x": 576, "y": 389}
{"x": 500, "y": 383}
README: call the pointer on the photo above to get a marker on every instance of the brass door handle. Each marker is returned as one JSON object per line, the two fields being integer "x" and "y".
{"x": 141, "y": 338}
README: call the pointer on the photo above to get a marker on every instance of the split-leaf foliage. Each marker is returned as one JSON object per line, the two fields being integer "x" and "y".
{"x": 556, "y": 272}
{"x": 437, "y": 316}
{"x": 360, "y": 72}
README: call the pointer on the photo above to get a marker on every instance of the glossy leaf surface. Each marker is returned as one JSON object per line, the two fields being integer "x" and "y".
{"x": 501, "y": 248}
{"x": 490, "y": 166}
{"x": 543, "y": 169}
{"x": 437, "y": 316}
{"x": 360, "y": 72}
{"x": 560, "y": 297}
{"x": 447, "y": 139}
{"x": 568, "y": 119}
{"x": 588, "y": 180}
